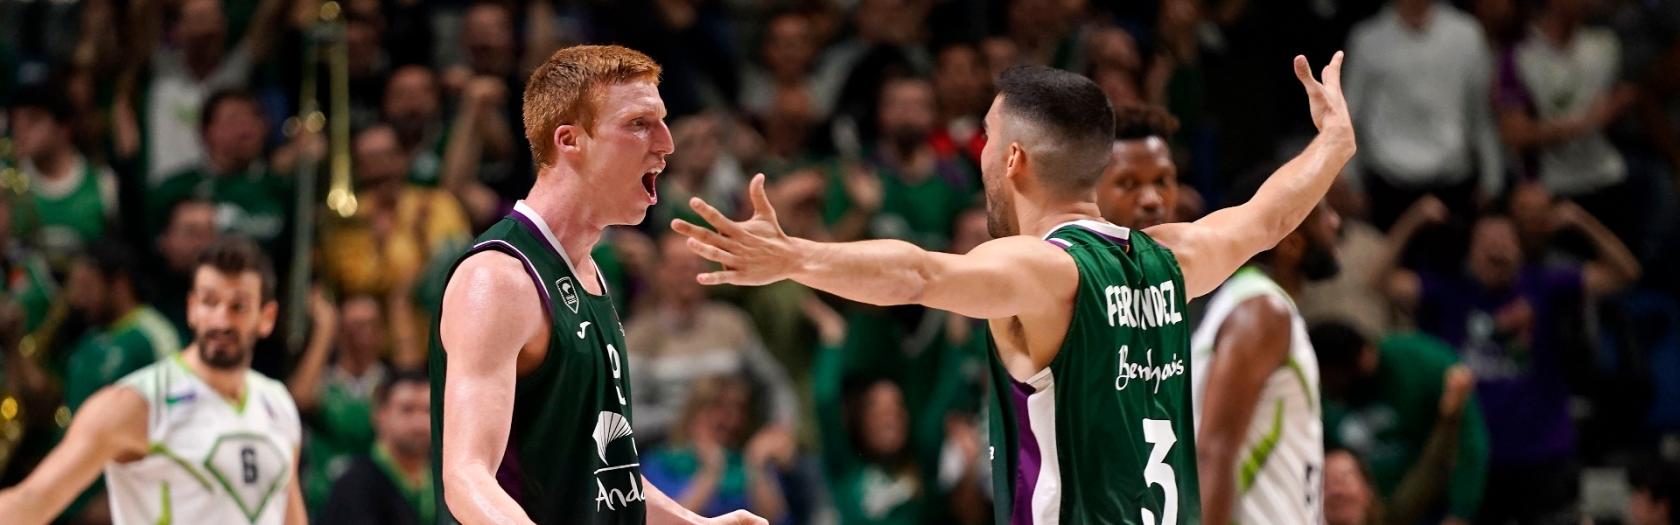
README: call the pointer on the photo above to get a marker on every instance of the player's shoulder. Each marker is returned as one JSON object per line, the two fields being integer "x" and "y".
{"x": 495, "y": 272}
{"x": 149, "y": 381}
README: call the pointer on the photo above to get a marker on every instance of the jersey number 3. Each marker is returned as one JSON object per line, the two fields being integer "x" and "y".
{"x": 1159, "y": 432}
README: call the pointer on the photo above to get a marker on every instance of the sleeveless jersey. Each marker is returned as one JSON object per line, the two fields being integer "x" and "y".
{"x": 570, "y": 456}
{"x": 212, "y": 460}
{"x": 1280, "y": 474}
{"x": 1104, "y": 434}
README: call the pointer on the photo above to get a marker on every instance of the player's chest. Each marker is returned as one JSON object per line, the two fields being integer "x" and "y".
{"x": 218, "y": 450}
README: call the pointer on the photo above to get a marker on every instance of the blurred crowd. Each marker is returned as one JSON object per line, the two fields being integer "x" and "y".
{"x": 1502, "y": 345}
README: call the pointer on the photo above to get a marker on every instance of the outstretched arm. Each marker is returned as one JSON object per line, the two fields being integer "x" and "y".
{"x": 486, "y": 319}
{"x": 112, "y": 424}
{"x": 1210, "y": 249}
{"x": 1001, "y": 278}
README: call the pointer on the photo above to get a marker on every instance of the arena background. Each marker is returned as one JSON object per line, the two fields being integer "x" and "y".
{"x": 362, "y": 144}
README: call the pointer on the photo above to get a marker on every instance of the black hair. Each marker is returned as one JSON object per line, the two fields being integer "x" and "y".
{"x": 237, "y": 255}
{"x": 1337, "y": 344}
{"x": 1074, "y": 114}
{"x": 399, "y": 376}
{"x": 207, "y": 112}
{"x": 112, "y": 260}
{"x": 45, "y": 96}
{"x": 1141, "y": 121}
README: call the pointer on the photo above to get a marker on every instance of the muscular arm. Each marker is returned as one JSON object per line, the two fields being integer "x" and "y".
{"x": 111, "y": 425}
{"x": 1252, "y": 343}
{"x": 1210, "y": 249}
{"x": 486, "y": 319}
{"x": 999, "y": 279}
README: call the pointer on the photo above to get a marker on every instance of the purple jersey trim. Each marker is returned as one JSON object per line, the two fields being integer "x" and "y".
{"x": 1028, "y": 458}
{"x": 1060, "y": 243}
{"x": 530, "y": 269}
{"x": 509, "y": 476}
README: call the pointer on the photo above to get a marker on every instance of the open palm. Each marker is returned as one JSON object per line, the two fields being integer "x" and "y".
{"x": 753, "y": 252}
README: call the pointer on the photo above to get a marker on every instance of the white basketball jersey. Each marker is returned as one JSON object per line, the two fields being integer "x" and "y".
{"x": 1280, "y": 470}
{"x": 212, "y": 460}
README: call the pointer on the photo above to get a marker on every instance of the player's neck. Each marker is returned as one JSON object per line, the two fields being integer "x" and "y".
{"x": 230, "y": 384}
{"x": 1037, "y": 220}
{"x": 569, "y": 213}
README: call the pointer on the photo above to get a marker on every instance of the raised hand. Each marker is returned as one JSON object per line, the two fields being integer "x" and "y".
{"x": 753, "y": 252}
{"x": 1329, "y": 108}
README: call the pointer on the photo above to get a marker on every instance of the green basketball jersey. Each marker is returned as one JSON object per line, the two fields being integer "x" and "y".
{"x": 1105, "y": 433}
{"x": 570, "y": 456}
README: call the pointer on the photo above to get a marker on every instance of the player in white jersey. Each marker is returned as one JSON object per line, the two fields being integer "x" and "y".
{"x": 1255, "y": 387}
{"x": 195, "y": 438}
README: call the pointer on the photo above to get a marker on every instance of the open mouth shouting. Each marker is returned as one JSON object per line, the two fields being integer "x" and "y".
{"x": 650, "y": 179}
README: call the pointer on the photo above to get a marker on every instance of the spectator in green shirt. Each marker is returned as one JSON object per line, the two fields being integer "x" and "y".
{"x": 336, "y": 398}
{"x": 251, "y": 200}
{"x": 868, "y": 457}
{"x": 1404, "y": 405}
{"x": 70, "y": 199}
{"x": 123, "y": 335}
{"x": 391, "y": 484}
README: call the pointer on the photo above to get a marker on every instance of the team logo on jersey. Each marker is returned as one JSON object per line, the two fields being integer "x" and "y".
{"x": 610, "y": 427}
{"x": 568, "y": 293}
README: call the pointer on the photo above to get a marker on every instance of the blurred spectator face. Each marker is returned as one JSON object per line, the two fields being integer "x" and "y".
{"x": 885, "y": 421}
{"x": 1645, "y": 508}
{"x": 1120, "y": 85}
{"x": 1347, "y": 494}
{"x": 961, "y": 81}
{"x": 36, "y": 132}
{"x": 1495, "y": 255}
{"x": 1113, "y": 48}
{"x": 380, "y": 159}
{"x": 404, "y": 421}
{"x": 889, "y": 21}
{"x": 907, "y": 113}
{"x": 716, "y": 411}
{"x": 364, "y": 326}
{"x": 789, "y": 121}
{"x": 362, "y": 42}
{"x": 677, "y": 269}
{"x": 1140, "y": 187}
{"x": 201, "y": 33}
{"x": 191, "y": 229}
{"x": 1531, "y": 208}
{"x": 411, "y": 103}
{"x": 1000, "y": 53}
{"x": 788, "y": 46}
{"x": 235, "y": 131}
{"x": 697, "y": 143}
{"x": 87, "y": 291}
{"x": 487, "y": 38}
{"x": 970, "y": 231}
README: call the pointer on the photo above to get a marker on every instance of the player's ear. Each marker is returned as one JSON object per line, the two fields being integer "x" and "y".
{"x": 1015, "y": 161}
{"x": 270, "y": 312}
{"x": 566, "y": 138}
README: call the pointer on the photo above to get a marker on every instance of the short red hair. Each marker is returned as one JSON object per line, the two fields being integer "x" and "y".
{"x": 566, "y": 89}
